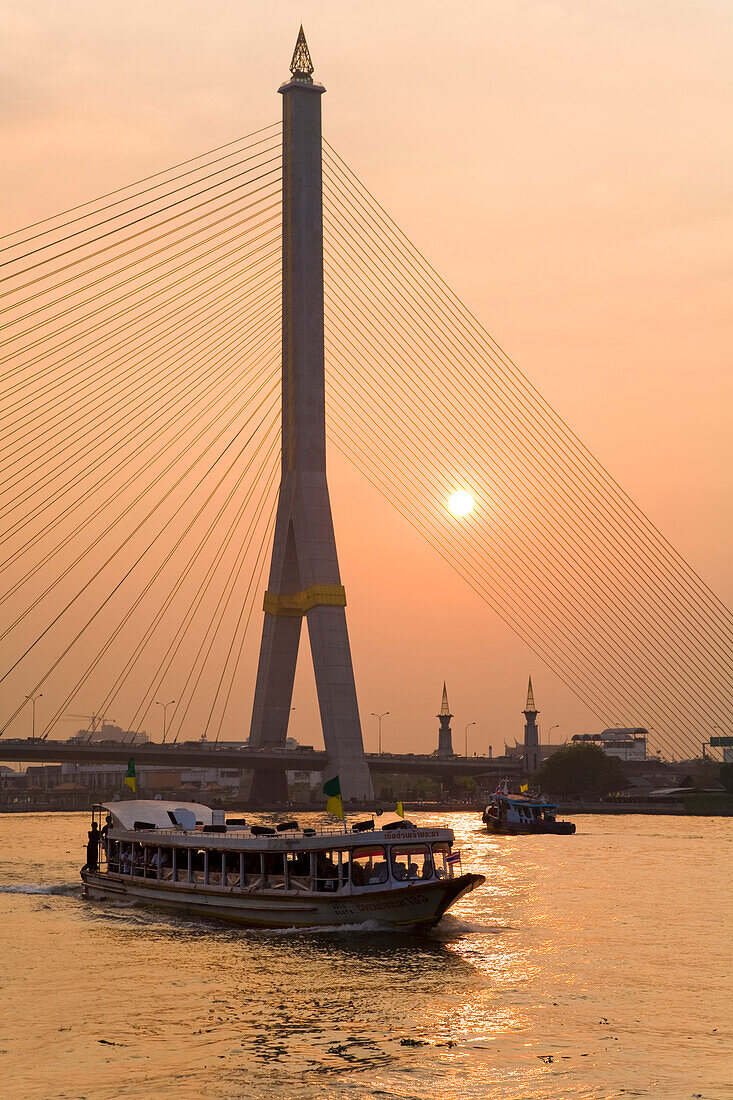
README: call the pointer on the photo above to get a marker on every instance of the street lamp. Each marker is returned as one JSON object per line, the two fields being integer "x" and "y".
{"x": 465, "y": 735}
{"x": 33, "y": 711}
{"x": 379, "y": 718}
{"x": 165, "y": 714}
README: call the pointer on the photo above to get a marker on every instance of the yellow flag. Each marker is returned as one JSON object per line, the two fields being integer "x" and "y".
{"x": 523, "y": 788}
{"x": 130, "y": 779}
{"x": 400, "y": 810}
{"x": 334, "y": 805}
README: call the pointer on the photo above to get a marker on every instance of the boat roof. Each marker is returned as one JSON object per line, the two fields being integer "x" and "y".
{"x": 524, "y": 800}
{"x": 155, "y": 811}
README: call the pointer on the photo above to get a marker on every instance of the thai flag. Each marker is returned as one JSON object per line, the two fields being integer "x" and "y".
{"x": 453, "y": 857}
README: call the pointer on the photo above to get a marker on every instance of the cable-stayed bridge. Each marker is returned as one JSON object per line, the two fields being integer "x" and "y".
{"x": 143, "y": 336}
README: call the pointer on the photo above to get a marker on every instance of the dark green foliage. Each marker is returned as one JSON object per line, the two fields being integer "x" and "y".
{"x": 725, "y": 777}
{"x": 466, "y": 783}
{"x": 581, "y": 771}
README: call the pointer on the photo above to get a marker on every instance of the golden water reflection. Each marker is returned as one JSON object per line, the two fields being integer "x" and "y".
{"x": 561, "y": 978}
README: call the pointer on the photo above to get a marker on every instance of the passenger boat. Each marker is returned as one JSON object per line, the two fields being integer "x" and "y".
{"x": 517, "y": 813}
{"x": 187, "y": 857}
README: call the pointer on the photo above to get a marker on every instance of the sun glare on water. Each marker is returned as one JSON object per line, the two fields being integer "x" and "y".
{"x": 460, "y": 503}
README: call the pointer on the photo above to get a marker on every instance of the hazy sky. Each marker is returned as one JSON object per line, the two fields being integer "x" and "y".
{"x": 566, "y": 167}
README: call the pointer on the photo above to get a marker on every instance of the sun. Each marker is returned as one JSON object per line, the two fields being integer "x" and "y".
{"x": 460, "y": 503}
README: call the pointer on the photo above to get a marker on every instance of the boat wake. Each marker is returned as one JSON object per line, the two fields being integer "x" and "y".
{"x": 454, "y": 925}
{"x": 368, "y": 926}
{"x": 61, "y": 888}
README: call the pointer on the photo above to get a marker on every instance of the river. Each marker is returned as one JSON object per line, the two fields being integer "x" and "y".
{"x": 591, "y": 966}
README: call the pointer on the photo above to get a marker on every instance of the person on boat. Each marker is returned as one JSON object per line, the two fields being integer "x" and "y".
{"x": 160, "y": 859}
{"x": 92, "y": 863}
{"x": 379, "y": 872}
{"x": 326, "y": 872}
{"x": 399, "y": 871}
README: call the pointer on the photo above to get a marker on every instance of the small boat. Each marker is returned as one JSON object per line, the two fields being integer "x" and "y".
{"x": 187, "y": 857}
{"x": 513, "y": 814}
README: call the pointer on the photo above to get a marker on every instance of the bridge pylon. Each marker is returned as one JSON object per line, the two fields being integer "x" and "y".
{"x": 305, "y": 581}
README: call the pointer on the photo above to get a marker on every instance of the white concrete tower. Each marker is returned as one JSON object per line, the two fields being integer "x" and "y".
{"x": 531, "y": 758}
{"x": 445, "y": 737}
{"x": 304, "y": 574}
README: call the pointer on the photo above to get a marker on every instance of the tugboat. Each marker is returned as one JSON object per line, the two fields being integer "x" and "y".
{"x": 188, "y": 857}
{"x": 512, "y": 814}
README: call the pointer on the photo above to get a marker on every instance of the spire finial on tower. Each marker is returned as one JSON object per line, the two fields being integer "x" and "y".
{"x": 301, "y": 66}
{"x": 530, "y": 697}
{"x": 444, "y": 708}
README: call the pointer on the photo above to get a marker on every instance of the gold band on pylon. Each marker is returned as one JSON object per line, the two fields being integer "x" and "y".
{"x": 297, "y": 603}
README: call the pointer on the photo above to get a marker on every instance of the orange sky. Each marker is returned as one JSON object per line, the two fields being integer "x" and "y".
{"x": 565, "y": 167}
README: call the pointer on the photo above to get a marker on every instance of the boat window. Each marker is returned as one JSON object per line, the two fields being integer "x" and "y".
{"x": 113, "y": 855}
{"x": 138, "y": 858}
{"x": 215, "y": 862}
{"x": 446, "y": 866}
{"x": 327, "y": 871}
{"x": 368, "y": 866}
{"x": 157, "y": 858}
{"x": 198, "y": 859}
{"x": 231, "y": 869}
{"x": 299, "y": 870}
{"x": 181, "y": 864}
{"x": 124, "y": 864}
{"x": 274, "y": 871}
{"x": 252, "y": 867}
{"x": 411, "y": 862}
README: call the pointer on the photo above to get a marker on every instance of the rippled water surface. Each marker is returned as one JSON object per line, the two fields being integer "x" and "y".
{"x": 589, "y": 966}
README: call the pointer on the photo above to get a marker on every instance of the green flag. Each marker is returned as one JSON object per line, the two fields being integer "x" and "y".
{"x": 332, "y": 790}
{"x": 130, "y": 779}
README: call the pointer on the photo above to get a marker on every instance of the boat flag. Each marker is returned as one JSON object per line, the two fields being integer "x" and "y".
{"x": 400, "y": 809}
{"x": 453, "y": 857}
{"x": 332, "y": 790}
{"x": 524, "y": 788}
{"x": 130, "y": 779}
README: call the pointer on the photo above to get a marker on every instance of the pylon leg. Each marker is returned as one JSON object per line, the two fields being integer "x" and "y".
{"x": 329, "y": 642}
{"x": 273, "y": 699}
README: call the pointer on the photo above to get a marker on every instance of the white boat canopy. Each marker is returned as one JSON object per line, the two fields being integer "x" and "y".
{"x": 156, "y": 812}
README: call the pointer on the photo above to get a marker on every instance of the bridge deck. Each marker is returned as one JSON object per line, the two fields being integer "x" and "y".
{"x": 209, "y": 755}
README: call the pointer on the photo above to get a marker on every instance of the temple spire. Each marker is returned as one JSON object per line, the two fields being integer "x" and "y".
{"x": 444, "y": 708}
{"x": 530, "y": 698}
{"x": 445, "y": 737}
{"x": 532, "y": 755}
{"x": 301, "y": 66}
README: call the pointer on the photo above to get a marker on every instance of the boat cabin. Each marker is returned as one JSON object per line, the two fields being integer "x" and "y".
{"x": 196, "y": 847}
{"x": 521, "y": 811}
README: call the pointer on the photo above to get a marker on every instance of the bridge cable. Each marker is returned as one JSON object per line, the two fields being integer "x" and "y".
{"x": 270, "y": 333}
{"x": 392, "y": 363}
{"x": 119, "y": 190}
{"x": 112, "y": 693}
{"x": 478, "y": 332}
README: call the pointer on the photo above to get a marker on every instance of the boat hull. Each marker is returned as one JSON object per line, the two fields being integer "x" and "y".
{"x": 413, "y": 906}
{"x": 502, "y": 828}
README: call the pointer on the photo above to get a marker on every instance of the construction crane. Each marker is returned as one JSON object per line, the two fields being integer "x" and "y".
{"x": 92, "y": 718}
